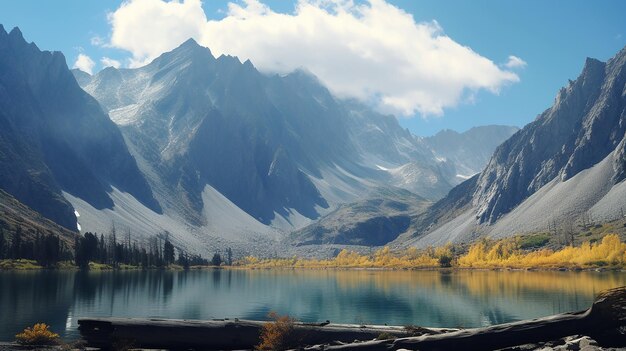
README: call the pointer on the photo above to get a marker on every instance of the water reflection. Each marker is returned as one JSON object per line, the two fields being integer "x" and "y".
{"x": 429, "y": 298}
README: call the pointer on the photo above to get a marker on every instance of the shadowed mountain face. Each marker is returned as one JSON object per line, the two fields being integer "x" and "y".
{"x": 54, "y": 137}
{"x": 273, "y": 145}
{"x": 568, "y": 162}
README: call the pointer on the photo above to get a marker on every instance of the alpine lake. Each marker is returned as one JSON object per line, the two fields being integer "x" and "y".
{"x": 430, "y": 298}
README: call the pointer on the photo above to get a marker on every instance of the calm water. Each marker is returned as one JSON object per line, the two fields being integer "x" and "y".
{"x": 427, "y": 298}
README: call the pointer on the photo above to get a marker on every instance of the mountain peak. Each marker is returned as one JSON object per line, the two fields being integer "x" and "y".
{"x": 192, "y": 46}
{"x": 16, "y": 33}
{"x": 593, "y": 67}
{"x": 191, "y": 42}
{"x": 593, "y": 64}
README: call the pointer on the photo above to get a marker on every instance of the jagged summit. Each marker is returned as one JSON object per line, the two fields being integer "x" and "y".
{"x": 189, "y": 51}
{"x": 55, "y": 137}
{"x": 566, "y": 163}
{"x": 191, "y": 45}
{"x": 16, "y": 32}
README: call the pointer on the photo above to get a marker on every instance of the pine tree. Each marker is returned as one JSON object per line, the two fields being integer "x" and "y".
{"x": 216, "y": 260}
{"x": 102, "y": 250}
{"x": 16, "y": 243}
{"x": 229, "y": 256}
{"x": 112, "y": 249}
{"x": 2, "y": 243}
{"x": 38, "y": 248}
{"x": 168, "y": 252}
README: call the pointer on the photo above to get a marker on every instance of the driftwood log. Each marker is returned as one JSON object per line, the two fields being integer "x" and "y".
{"x": 605, "y": 321}
{"x": 222, "y": 334}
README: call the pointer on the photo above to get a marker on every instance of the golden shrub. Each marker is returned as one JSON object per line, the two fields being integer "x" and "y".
{"x": 277, "y": 335}
{"x": 39, "y": 334}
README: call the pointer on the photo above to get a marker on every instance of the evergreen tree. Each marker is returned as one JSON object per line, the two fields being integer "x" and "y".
{"x": 2, "y": 243}
{"x": 112, "y": 246}
{"x": 183, "y": 260}
{"x": 102, "y": 250}
{"x": 216, "y": 260}
{"x": 168, "y": 252}
{"x": 27, "y": 250}
{"x": 16, "y": 243}
{"x": 229, "y": 256}
{"x": 49, "y": 250}
{"x": 38, "y": 247}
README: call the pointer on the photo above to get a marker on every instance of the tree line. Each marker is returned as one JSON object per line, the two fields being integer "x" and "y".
{"x": 48, "y": 250}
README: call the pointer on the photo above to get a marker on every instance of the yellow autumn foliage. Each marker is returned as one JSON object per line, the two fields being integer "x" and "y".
{"x": 39, "y": 334}
{"x": 382, "y": 258}
{"x": 507, "y": 253}
{"x": 485, "y": 253}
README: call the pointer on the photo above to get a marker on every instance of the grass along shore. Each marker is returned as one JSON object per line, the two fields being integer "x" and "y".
{"x": 32, "y": 265}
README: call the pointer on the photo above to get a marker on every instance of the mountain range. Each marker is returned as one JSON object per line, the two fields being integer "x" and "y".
{"x": 243, "y": 156}
{"x": 221, "y": 155}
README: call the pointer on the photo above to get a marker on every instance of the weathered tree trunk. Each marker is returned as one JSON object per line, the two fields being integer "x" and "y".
{"x": 222, "y": 334}
{"x": 602, "y": 322}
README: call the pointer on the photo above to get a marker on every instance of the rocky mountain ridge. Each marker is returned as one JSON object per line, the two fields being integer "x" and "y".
{"x": 55, "y": 138}
{"x": 566, "y": 164}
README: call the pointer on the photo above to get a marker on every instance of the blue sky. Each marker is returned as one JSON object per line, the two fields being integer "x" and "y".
{"x": 552, "y": 37}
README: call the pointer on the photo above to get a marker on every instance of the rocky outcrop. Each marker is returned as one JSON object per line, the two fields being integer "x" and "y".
{"x": 586, "y": 124}
{"x": 56, "y": 138}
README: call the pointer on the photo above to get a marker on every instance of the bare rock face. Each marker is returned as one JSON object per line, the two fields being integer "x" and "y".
{"x": 471, "y": 150}
{"x": 55, "y": 137}
{"x": 267, "y": 143}
{"x": 586, "y": 124}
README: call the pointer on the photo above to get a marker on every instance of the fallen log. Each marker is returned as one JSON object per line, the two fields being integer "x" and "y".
{"x": 602, "y": 322}
{"x": 222, "y": 334}
{"x": 605, "y": 322}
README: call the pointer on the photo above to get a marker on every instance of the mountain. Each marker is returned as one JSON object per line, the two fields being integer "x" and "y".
{"x": 55, "y": 139}
{"x": 218, "y": 139}
{"x": 374, "y": 221}
{"x": 15, "y": 214}
{"x": 471, "y": 150}
{"x": 567, "y": 164}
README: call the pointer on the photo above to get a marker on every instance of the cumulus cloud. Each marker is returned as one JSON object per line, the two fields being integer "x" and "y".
{"x": 109, "y": 62}
{"x": 84, "y": 63}
{"x": 372, "y": 51}
{"x": 515, "y": 62}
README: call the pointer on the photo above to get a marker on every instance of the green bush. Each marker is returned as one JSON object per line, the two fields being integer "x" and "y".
{"x": 534, "y": 241}
{"x": 445, "y": 261}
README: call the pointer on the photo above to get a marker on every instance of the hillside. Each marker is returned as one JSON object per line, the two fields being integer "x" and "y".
{"x": 15, "y": 214}
{"x": 566, "y": 166}
{"x": 55, "y": 139}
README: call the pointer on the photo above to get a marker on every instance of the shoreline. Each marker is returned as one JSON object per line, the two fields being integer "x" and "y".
{"x": 22, "y": 265}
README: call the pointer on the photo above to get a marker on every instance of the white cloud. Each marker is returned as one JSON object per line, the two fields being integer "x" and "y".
{"x": 109, "y": 62}
{"x": 84, "y": 63}
{"x": 515, "y": 62}
{"x": 97, "y": 41}
{"x": 373, "y": 51}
